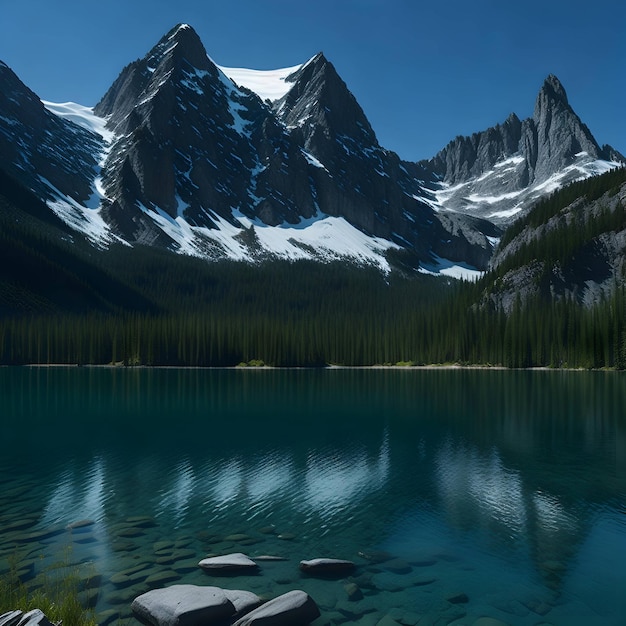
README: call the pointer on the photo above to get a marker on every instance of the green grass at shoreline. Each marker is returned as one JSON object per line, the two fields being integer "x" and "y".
{"x": 55, "y": 591}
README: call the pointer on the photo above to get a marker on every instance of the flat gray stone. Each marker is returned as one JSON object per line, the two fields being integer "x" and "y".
{"x": 290, "y": 609}
{"x": 325, "y": 567}
{"x": 228, "y": 563}
{"x": 183, "y": 605}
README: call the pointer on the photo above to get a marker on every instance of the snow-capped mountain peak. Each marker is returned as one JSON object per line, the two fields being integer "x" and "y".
{"x": 251, "y": 164}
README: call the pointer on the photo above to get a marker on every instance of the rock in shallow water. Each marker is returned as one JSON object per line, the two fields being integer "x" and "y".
{"x": 228, "y": 564}
{"x": 327, "y": 567}
{"x": 397, "y": 566}
{"x": 243, "y": 601}
{"x": 290, "y": 609}
{"x": 183, "y": 605}
{"x": 353, "y": 592}
{"x": 457, "y": 598}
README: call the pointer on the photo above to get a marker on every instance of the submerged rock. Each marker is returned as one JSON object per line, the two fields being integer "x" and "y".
{"x": 326, "y": 567}
{"x": 237, "y": 537}
{"x": 397, "y": 566}
{"x": 183, "y": 605}
{"x": 107, "y": 617}
{"x": 375, "y": 556}
{"x": 457, "y": 598}
{"x": 290, "y": 609}
{"x": 162, "y": 578}
{"x": 141, "y": 521}
{"x": 489, "y": 621}
{"x": 353, "y": 592}
{"x": 81, "y": 526}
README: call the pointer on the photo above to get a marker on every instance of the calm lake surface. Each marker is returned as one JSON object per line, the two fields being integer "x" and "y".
{"x": 459, "y": 494}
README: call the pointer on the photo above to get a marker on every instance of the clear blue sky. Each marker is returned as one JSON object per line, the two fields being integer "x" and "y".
{"x": 423, "y": 72}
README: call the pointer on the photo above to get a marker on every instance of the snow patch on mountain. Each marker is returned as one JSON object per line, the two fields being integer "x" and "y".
{"x": 581, "y": 169}
{"x": 82, "y": 116}
{"x": 445, "y": 267}
{"x": 269, "y": 85}
{"x": 480, "y": 196}
{"x": 82, "y": 219}
{"x": 320, "y": 237}
{"x": 85, "y": 117}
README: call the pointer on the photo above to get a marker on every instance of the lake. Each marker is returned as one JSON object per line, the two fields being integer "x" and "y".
{"x": 459, "y": 494}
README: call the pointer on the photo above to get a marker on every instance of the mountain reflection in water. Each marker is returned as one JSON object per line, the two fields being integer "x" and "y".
{"x": 519, "y": 473}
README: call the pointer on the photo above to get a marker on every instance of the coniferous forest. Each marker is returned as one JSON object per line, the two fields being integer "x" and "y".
{"x": 62, "y": 301}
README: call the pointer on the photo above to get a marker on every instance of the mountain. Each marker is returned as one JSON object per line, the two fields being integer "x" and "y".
{"x": 499, "y": 173}
{"x": 219, "y": 162}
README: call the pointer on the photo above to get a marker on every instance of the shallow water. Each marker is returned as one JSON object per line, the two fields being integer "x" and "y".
{"x": 491, "y": 493}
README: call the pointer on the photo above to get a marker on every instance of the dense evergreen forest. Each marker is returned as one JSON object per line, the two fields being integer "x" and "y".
{"x": 63, "y": 301}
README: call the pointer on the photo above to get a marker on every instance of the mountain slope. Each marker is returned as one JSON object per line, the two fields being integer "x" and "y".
{"x": 570, "y": 246}
{"x": 45, "y": 266}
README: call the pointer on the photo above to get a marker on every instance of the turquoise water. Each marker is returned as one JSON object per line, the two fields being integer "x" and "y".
{"x": 459, "y": 494}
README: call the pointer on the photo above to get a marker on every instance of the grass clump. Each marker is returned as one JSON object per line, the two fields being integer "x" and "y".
{"x": 61, "y": 592}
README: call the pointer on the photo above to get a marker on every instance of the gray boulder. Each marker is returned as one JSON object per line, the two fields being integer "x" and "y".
{"x": 290, "y": 609}
{"x": 228, "y": 563}
{"x": 183, "y": 605}
{"x": 243, "y": 601}
{"x": 36, "y": 617}
{"x": 11, "y": 618}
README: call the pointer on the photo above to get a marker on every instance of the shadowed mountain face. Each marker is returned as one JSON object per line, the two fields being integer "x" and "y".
{"x": 200, "y": 163}
{"x": 46, "y": 153}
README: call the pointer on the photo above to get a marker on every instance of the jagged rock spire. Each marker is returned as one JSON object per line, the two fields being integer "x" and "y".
{"x": 560, "y": 133}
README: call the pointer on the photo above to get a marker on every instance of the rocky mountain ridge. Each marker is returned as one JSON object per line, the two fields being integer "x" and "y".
{"x": 497, "y": 174}
{"x": 194, "y": 162}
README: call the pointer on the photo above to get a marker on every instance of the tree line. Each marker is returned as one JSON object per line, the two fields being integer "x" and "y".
{"x": 62, "y": 301}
